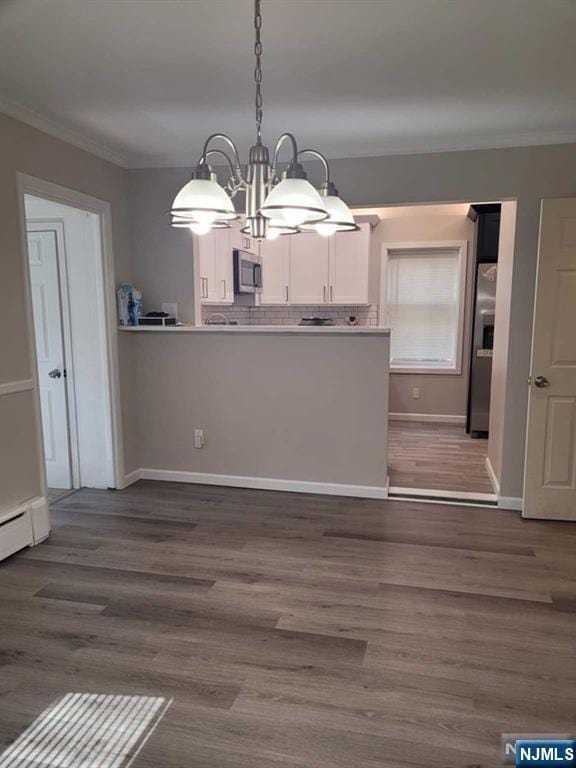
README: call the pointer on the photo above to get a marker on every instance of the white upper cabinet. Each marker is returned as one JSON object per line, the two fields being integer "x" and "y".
{"x": 240, "y": 241}
{"x": 216, "y": 272}
{"x": 309, "y": 268}
{"x": 349, "y": 266}
{"x": 275, "y": 270}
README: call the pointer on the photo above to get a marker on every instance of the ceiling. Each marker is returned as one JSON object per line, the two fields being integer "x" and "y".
{"x": 143, "y": 82}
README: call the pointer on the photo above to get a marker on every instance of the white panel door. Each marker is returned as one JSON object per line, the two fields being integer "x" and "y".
{"x": 43, "y": 257}
{"x": 550, "y": 479}
{"x": 349, "y": 265}
{"x": 275, "y": 270}
{"x": 309, "y": 268}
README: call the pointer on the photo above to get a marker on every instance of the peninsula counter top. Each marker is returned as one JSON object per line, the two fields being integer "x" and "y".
{"x": 321, "y": 330}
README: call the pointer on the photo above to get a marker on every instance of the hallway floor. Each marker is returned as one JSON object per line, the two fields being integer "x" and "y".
{"x": 437, "y": 457}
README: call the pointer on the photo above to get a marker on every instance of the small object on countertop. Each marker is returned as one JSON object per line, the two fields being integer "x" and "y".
{"x": 157, "y": 318}
{"x": 316, "y": 321}
{"x": 352, "y": 320}
{"x": 123, "y": 296}
{"x": 135, "y": 307}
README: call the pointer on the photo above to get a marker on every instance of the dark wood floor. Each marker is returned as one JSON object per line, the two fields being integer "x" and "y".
{"x": 436, "y": 456}
{"x": 296, "y": 631}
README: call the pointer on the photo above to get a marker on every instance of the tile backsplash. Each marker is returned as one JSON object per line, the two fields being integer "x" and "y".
{"x": 291, "y": 315}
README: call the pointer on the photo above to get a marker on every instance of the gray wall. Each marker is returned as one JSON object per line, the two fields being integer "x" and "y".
{"x": 526, "y": 174}
{"x": 163, "y": 254}
{"x": 30, "y": 151}
{"x": 309, "y": 407}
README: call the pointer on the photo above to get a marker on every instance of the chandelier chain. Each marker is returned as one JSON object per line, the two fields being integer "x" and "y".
{"x": 258, "y": 68}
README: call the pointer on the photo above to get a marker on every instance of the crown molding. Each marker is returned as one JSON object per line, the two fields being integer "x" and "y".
{"x": 426, "y": 146}
{"x": 64, "y": 133}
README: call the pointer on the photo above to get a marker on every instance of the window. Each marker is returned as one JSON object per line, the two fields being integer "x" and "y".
{"x": 424, "y": 298}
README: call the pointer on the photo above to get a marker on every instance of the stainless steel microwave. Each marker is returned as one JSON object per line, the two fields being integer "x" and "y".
{"x": 247, "y": 272}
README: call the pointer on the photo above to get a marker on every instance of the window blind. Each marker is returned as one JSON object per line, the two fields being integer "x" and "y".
{"x": 423, "y": 307}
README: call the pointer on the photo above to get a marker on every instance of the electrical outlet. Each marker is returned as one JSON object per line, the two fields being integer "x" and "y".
{"x": 416, "y": 393}
{"x": 170, "y": 307}
{"x": 198, "y": 438}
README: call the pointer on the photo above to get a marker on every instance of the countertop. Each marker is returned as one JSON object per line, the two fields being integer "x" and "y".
{"x": 324, "y": 330}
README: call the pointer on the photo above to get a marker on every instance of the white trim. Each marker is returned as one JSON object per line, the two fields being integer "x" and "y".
{"x": 266, "y": 483}
{"x": 131, "y": 477}
{"x": 492, "y": 475}
{"x": 434, "y": 492}
{"x": 62, "y": 132}
{"x": 461, "y": 247}
{"x": 427, "y": 146}
{"x": 29, "y": 185}
{"x": 510, "y": 502}
{"x": 11, "y": 387}
{"x": 430, "y": 145}
{"x": 435, "y": 418}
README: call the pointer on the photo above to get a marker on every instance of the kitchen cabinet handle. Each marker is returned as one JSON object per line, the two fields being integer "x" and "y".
{"x": 331, "y": 293}
{"x": 286, "y": 289}
{"x": 204, "y": 289}
{"x": 223, "y": 289}
{"x": 324, "y": 294}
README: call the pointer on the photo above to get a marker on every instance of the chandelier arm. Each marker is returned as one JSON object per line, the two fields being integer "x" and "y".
{"x": 225, "y": 156}
{"x": 278, "y": 146}
{"x": 320, "y": 157}
{"x": 228, "y": 140}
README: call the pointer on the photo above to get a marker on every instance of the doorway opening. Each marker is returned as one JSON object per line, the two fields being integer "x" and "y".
{"x": 448, "y": 311}
{"x": 66, "y": 270}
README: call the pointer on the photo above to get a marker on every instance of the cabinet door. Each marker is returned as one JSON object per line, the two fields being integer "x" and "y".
{"x": 275, "y": 270}
{"x": 206, "y": 245}
{"x": 349, "y": 266}
{"x": 309, "y": 259}
{"x": 225, "y": 286}
{"x": 241, "y": 241}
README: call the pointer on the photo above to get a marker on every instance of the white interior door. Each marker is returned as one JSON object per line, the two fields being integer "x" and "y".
{"x": 43, "y": 256}
{"x": 550, "y": 479}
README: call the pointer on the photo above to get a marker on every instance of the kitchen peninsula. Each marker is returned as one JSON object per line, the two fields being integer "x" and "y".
{"x": 282, "y": 407}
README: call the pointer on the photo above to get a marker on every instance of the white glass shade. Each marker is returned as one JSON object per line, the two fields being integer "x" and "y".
{"x": 340, "y": 218}
{"x": 203, "y": 201}
{"x": 294, "y": 202}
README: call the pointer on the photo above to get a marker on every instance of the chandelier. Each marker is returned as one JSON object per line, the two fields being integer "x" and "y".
{"x": 277, "y": 202}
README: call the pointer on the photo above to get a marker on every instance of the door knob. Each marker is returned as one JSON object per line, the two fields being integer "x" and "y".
{"x": 55, "y": 373}
{"x": 541, "y": 382}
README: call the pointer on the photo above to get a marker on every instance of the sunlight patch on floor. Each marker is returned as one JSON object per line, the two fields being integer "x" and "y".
{"x": 87, "y": 730}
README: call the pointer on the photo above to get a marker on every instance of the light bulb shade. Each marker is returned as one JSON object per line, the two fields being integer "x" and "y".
{"x": 340, "y": 218}
{"x": 294, "y": 202}
{"x": 203, "y": 201}
{"x": 181, "y": 223}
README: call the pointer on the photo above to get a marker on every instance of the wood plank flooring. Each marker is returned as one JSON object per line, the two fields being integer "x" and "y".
{"x": 296, "y": 631}
{"x": 436, "y": 456}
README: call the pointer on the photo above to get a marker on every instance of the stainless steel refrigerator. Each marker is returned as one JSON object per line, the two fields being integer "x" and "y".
{"x": 482, "y": 347}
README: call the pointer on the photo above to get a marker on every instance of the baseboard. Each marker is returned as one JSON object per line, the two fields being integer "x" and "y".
{"x": 492, "y": 475}
{"x": 267, "y": 483}
{"x": 130, "y": 478}
{"x": 435, "y": 418}
{"x": 510, "y": 502}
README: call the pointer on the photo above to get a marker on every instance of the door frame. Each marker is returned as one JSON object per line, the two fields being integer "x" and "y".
{"x": 57, "y": 226}
{"x": 30, "y": 185}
